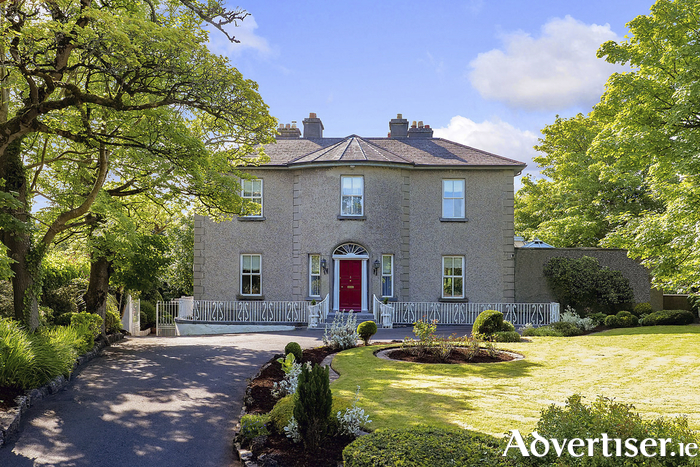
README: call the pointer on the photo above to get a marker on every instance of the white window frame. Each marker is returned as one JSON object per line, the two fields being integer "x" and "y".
{"x": 251, "y": 274}
{"x": 452, "y": 215}
{"x": 313, "y": 274}
{"x": 251, "y": 195}
{"x": 390, "y": 275}
{"x": 452, "y": 276}
{"x": 362, "y": 194}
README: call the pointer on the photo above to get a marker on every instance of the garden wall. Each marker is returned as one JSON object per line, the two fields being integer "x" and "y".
{"x": 530, "y": 284}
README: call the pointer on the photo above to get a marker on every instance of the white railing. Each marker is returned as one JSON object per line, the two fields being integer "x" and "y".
{"x": 383, "y": 314}
{"x": 166, "y": 312}
{"x": 318, "y": 313}
{"x": 519, "y": 314}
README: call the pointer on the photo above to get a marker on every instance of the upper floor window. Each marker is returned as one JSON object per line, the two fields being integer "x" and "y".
{"x": 314, "y": 275}
{"x": 251, "y": 275}
{"x": 453, "y": 277}
{"x": 453, "y": 199}
{"x": 252, "y": 191}
{"x": 351, "y": 195}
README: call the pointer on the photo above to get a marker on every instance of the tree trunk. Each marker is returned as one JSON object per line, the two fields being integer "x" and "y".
{"x": 98, "y": 289}
{"x": 17, "y": 237}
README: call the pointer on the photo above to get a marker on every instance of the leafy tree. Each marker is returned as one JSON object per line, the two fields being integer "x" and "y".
{"x": 627, "y": 175}
{"x": 115, "y": 99}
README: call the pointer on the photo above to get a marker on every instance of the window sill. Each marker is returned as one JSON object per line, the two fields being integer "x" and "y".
{"x": 251, "y": 219}
{"x": 453, "y": 300}
{"x": 250, "y": 297}
{"x": 454, "y": 219}
{"x": 351, "y": 218}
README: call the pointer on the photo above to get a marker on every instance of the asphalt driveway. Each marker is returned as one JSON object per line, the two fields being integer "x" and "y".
{"x": 153, "y": 402}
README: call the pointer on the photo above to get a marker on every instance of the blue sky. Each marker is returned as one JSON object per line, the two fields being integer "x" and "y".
{"x": 489, "y": 74}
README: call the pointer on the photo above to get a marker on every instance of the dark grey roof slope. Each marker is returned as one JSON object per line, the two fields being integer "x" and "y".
{"x": 417, "y": 152}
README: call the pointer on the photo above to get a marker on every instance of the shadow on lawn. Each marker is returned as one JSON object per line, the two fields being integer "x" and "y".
{"x": 651, "y": 331}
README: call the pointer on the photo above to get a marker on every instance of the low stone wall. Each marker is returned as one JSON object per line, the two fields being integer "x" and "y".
{"x": 10, "y": 420}
{"x": 530, "y": 284}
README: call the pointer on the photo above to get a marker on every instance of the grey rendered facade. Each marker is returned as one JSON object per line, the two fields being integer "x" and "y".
{"x": 400, "y": 223}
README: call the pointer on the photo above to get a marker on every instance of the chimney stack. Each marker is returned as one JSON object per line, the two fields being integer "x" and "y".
{"x": 313, "y": 127}
{"x": 420, "y": 131}
{"x": 288, "y": 131}
{"x": 398, "y": 127}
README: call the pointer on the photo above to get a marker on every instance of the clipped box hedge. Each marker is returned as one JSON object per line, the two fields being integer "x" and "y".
{"x": 424, "y": 446}
{"x": 667, "y": 317}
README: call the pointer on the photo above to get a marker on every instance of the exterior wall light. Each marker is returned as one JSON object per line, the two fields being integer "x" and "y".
{"x": 375, "y": 266}
{"x": 324, "y": 265}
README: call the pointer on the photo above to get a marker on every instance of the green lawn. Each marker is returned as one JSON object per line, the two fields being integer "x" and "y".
{"x": 655, "y": 368}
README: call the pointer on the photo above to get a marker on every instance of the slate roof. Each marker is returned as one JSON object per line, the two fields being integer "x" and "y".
{"x": 417, "y": 152}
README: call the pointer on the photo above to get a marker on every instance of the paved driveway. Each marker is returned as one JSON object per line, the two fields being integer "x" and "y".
{"x": 153, "y": 402}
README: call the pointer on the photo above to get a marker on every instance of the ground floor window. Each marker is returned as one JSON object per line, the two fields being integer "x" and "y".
{"x": 387, "y": 275}
{"x": 453, "y": 276}
{"x": 314, "y": 275}
{"x": 251, "y": 276}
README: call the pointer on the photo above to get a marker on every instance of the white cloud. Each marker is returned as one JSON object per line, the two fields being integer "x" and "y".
{"x": 245, "y": 33}
{"x": 553, "y": 72}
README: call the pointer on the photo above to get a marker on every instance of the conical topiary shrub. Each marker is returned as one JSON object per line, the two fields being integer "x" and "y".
{"x": 312, "y": 406}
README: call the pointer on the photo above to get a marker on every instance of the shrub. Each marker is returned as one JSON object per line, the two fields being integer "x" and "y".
{"x": 343, "y": 332}
{"x": 488, "y": 322}
{"x": 623, "y": 319}
{"x": 558, "y": 329}
{"x": 351, "y": 420}
{"x": 312, "y": 405}
{"x": 149, "y": 309}
{"x": 113, "y": 322}
{"x": 254, "y": 425}
{"x": 294, "y": 349}
{"x": 506, "y": 336}
{"x": 604, "y": 415}
{"x": 642, "y": 309}
{"x": 424, "y": 446}
{"x": 366, "y": 330}
{"x": 668, "y": 317}
{"x": 281, "y": 413}
{"x": 694, "y": 303}
{"x": 289, "y": 384}
{"x": 598, "y": 318}
{"x": 143, "y": 321}
{"x": 507, "y": 326}
{"x": 584, "y": 324}
{"x": 89, "y": 326}
{"x": 583, "y": 284}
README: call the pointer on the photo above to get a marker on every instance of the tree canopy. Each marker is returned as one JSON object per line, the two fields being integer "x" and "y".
{"x": 104, "y": 99}
{"x": 627, "y": 174}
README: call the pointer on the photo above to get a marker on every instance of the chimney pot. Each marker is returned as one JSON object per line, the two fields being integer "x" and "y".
{"x": 413, "y": 125}
{"x": 399, "y": 116}
{"x": 420, "y": 123}
{"x": 312, "y": 115}
{"x": 288, "y": 126}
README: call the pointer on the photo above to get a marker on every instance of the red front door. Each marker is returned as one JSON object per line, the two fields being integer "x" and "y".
{"x": 350, "y": 298}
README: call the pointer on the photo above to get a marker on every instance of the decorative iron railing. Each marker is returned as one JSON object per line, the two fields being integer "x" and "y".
{"x": 318, "y": 313}
{"x": 382, "y": 313}
{"x": 217, "y": 311}
{"x": 519, "y": 314}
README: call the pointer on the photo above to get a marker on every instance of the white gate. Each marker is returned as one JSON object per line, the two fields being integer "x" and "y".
{"x": 166, "y": 312}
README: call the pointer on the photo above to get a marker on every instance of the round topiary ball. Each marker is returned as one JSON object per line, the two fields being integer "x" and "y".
{"x": 294, "y": 349}
{"x": 642, "y": 309}
{"x": 366, "y": 330}
{"x": 488, "y": 322}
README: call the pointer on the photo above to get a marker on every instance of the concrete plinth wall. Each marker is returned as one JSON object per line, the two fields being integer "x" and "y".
{"x": 531, "y": 286}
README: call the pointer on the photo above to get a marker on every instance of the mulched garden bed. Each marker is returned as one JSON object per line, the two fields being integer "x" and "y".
{"x": 7, "y": 398}
{"x": 457, "y": 356}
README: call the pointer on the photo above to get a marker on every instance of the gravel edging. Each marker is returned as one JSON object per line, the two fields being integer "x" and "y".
{"x": 10, "y": 420}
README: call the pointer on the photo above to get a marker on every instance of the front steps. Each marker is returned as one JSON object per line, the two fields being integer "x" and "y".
{"x": 361, "y": 317}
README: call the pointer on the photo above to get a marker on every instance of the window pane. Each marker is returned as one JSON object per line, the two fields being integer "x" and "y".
{"x": 386, "y": 265}
{"x": 458, "y": 210}
{"x": 458, "y": 291}
{"x": 457, "y": 266}
{"x": 316, "y": 285}
{"x": 447, "y": 287}
{"x": 255, "y": 285}
{"x": 386, "y": 286}
{"x": 447, "y": 188}
{"x": 256, "y": 188}
{"x": 448, "y": 266}
{"x": 255, "y": 264}
{"x": 245, "y": 285}
{"x": 458, "y": 188}
{"x": 448, "y": 208}
{"x": 247, "y": 187}
{"x": 315, "y": 264}
{"x": 246, "y": 263}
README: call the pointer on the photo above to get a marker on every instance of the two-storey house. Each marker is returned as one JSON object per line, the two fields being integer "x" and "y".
{"x": 408, "y": 217}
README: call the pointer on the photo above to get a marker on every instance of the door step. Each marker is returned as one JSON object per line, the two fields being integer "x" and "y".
{"x": 361, "y": 317}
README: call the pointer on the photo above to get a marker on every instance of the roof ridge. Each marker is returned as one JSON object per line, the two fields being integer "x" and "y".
{"x": 379, "y": 149}
{"x": 323, "y": 151}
